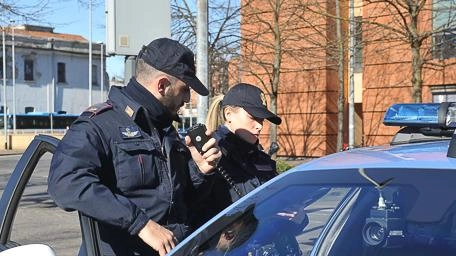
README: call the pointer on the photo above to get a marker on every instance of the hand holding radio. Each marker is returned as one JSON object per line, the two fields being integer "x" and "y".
{"x": 198, "y": 136}
{"x": 203, "y": 148}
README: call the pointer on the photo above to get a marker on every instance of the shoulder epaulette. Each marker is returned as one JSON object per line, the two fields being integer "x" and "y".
{"x": 96, "y": 109}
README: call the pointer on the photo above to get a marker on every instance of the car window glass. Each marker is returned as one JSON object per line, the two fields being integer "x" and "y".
{"x": 341, "y": 220}
{"x": 382, "y": 222}
{"x": 279, "y": 225}
{"x": 40, "y": 220}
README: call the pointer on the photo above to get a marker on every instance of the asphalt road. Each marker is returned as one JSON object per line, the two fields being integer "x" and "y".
{"x": 38, "y": 219}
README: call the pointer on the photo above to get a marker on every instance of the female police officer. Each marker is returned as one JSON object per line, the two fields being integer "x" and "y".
{"x": 243, "y": 166}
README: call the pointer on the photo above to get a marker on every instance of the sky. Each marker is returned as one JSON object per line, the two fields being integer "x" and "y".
{"x": 71, "y": 17}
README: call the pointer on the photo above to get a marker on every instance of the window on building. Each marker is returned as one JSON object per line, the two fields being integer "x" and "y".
{"x": 358, "y": 45}
{"x": 444, "y": 22}
{"x": 95, "y": 75}
{"x": 1, "y": 67}
{"x": 61, "y": 74}
{"x": 28, "y": 70}
{"x": 443, "y": 93}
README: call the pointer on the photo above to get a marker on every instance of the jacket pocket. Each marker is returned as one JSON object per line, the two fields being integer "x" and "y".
{"x": 136, "y": 165}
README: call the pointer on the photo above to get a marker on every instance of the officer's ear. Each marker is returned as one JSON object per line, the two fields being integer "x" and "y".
{"x": 228, "y": 113}
{"x": 162, "y": 84}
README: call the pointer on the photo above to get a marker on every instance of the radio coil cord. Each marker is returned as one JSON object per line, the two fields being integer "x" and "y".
{"x": 230, "y": 181}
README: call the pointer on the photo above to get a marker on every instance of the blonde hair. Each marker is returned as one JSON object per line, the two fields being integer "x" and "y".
{"x": 215, "y": 114}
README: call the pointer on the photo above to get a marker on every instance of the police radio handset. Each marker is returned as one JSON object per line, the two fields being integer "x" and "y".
{"x": 197, "y": 134}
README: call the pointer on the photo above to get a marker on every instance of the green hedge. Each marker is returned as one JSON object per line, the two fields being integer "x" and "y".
{"x": 282, "y": 166}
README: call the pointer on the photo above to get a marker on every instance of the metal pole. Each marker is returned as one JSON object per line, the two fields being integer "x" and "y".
{"x": 90, "y": 53}
{"x": 48, "y": 96}
{"x": 202, "y": 57}
{"x": 101, "y": 73}
{"x": 5, "y": 121}
{"x": 52, "y": 105}
{"x": 14, "y": 80}
{"x": 53, "y": 95}
{"x": 340, "y": 76}
{"x": 351, "y": 86}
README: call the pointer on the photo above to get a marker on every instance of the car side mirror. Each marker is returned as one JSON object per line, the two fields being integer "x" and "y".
{"x": 29, "y": 249}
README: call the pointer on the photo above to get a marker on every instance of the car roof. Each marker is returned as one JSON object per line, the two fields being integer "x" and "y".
{"x": 425, "y": 155}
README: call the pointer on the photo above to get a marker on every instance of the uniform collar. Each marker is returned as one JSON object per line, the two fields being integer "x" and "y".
{"x": 229, "y": 140}
{"x": 137, "y": 100}
{"x": 123, "y": 102}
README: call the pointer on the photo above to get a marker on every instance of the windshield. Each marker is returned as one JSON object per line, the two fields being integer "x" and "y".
{"x": 339, "y": 213}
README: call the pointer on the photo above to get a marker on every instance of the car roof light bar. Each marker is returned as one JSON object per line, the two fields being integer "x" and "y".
{"x": 441, "y": 115}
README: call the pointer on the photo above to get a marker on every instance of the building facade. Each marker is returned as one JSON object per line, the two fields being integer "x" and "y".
{"x": 391, "y": 53}
{"x": 295, "y": 63}
{"x": 298, "y": 51}
{"x": 51, "y": 71}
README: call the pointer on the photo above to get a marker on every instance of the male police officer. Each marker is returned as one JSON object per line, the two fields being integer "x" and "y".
{"x": 123, "y": 164}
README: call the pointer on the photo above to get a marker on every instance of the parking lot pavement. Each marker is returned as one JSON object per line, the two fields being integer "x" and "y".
{"x": 10, "y": 152}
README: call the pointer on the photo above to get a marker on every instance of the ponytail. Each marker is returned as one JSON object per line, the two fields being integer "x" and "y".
{"x": 214, "y": 113}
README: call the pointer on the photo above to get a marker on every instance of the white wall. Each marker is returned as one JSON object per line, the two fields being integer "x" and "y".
{"x": 71, "y": 96}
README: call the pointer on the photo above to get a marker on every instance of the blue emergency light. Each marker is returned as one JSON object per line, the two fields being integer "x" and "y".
{"x": 442, "y": 115}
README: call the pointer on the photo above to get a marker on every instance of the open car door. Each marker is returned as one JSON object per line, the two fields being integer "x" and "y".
{"x": 14, "y": 190}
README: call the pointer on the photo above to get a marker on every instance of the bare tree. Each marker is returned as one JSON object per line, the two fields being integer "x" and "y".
{"x": 35, "y": 11}
{"x": 23, "y": 11}
{"x": 305, "y": 38}
{"x": 223, "y": 36}
{"x": 426, "y": 27}
{"x": 273, "y": 30}
{"x": 267, "y": 27}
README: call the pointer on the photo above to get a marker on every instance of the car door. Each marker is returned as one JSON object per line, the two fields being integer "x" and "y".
{"x": 14, "y": 191}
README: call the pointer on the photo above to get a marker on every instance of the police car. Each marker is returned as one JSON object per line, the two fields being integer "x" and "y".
{"x": 397, "y": 199}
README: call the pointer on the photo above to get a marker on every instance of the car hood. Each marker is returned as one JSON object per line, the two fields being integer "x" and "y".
{"x": 427, "y": 155}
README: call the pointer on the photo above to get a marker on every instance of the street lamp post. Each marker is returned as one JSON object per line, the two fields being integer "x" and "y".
{"x": 202, "y": 59}
{"x": 101, "y": 72}
{"x": 5, "y": 121}
{"x": 14, "y": 77}
{"x": 90, "y": 53}
{"x": 351, "y": 81}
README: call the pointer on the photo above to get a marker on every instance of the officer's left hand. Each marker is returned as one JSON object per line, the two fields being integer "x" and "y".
{"x": 208, "y": 161}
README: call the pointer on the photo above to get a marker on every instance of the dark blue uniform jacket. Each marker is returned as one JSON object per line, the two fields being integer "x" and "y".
{"x": 245, "y": 164}
{"x": 108, "y": 167}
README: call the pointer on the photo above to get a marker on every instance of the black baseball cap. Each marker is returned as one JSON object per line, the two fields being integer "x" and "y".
{"x": 252, "y": 99}
{"x": 175, "y": 59}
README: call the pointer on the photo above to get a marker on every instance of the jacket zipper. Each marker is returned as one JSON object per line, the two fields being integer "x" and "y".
{"x": 171, "y": 202}
{"x": 142, "y": 170}
{"x": 154, "y": 132}
{"x": 167, "y": 170}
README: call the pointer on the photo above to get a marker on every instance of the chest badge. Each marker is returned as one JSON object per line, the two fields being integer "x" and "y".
{"x": 130, "y": 132}
{"x": 129, "y": 111}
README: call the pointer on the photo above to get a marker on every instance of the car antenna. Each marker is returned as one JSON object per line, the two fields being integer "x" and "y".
{"x": 379, "y": 186}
